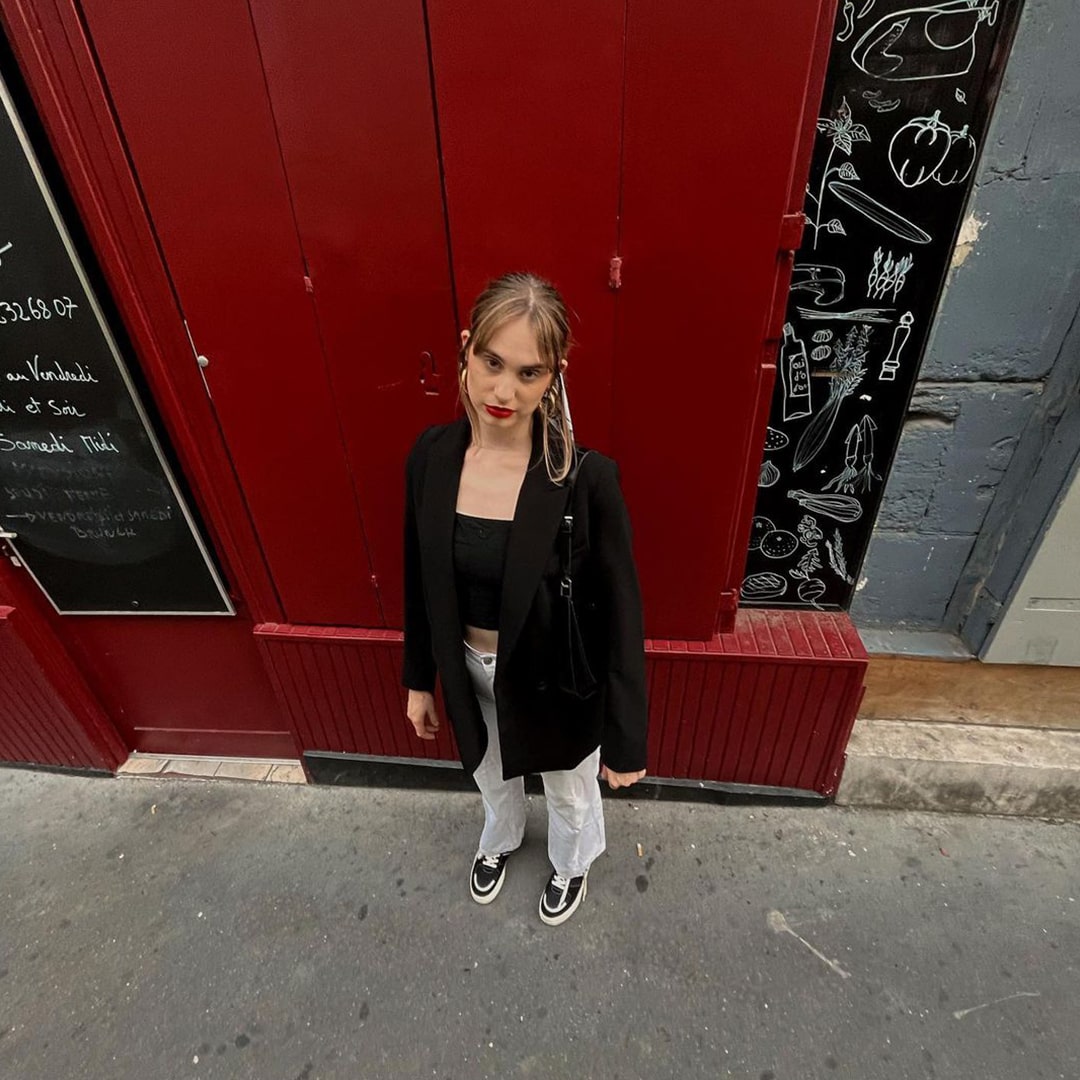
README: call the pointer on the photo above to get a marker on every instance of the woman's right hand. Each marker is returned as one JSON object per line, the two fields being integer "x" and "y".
{"x": 421, "y": 712}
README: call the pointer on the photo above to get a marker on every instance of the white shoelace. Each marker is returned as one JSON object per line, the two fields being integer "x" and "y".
{"x": 490, "y": 861}
{"x": 561, "y": 882}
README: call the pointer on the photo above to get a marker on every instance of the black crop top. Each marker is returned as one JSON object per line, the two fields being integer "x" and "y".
{"x": 479, "y": 557}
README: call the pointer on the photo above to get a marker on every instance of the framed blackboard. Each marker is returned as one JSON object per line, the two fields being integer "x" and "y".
{"x": 88, "y": 503}
{"x": 906, "y": 104}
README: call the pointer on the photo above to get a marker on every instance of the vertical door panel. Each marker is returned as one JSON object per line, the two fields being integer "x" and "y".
{"x": 351, "y": 94}
{"x": 49, "y": 715}
{"x": 714, "y": 101}
{"x": 188, "y": 88}
{"x": 1040, "y": 623}
{"x": 528, "y": 103}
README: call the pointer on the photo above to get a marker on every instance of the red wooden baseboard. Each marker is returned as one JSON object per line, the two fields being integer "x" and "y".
{"x": 47, "y": 714}
{"x": 772, "y": 703}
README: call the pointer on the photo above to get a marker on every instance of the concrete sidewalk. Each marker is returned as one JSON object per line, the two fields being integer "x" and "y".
{"x": 170, "y": 929}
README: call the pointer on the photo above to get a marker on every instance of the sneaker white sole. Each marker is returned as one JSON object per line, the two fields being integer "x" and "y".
{"x": 486, "y": 898}
{"x": 554, "y": 920}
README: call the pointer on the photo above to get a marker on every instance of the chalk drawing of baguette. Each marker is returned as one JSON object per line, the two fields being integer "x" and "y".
{"x": 878, "y": 214}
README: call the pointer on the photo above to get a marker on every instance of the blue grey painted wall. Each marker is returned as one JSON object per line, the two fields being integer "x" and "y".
{"x": 994, "y": 379}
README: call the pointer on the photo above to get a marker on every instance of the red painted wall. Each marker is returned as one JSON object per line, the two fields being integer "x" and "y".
{"x": 320, "y": 191}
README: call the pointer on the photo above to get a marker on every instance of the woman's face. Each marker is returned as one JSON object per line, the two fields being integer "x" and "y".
{"x": 507, "y": 379}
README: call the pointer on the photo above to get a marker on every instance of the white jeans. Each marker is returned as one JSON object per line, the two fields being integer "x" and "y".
{"x": 575, "y": 810}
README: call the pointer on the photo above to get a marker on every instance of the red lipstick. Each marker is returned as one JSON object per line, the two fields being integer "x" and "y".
{"x": 494, "y": 410}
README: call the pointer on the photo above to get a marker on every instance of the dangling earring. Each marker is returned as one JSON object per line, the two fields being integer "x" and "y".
{"x": 565, "y": 405}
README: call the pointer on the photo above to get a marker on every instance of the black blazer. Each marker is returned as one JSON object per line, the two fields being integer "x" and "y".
{"x": 540, "y": 728}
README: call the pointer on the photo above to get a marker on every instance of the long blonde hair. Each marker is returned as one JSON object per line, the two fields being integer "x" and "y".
{"x": 511, "y": 297}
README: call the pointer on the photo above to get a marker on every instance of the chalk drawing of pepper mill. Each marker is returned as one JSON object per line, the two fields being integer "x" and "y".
{"x": 795, "y": 375}
{"x": 901, "y": 333}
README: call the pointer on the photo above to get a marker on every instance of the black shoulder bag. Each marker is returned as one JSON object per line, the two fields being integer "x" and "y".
{"x": 574, "y": 675}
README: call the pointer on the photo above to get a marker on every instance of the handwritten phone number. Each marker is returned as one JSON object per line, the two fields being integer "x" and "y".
{"x": 36, "y": 309}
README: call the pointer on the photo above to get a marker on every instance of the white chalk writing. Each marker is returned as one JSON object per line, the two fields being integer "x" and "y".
{"x": 12, "y": 492}
{"x": 65, "y": 408}
{"x": 57, "y": 372}
{"x": 55, "y": 446}
{"x": 103, "y": 534}
{"x": 36, "y": 309}
{"x": 98, "y": 443}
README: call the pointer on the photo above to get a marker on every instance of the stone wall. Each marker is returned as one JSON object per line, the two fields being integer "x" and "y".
{"x": 981, "y": 408}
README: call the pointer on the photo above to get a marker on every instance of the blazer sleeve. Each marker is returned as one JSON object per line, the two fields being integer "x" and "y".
{"x": 418, "y": 667}
{"x": 623, "y": 742}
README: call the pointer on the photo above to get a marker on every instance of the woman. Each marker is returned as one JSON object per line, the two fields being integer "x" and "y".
{"x": 485, "y": 499}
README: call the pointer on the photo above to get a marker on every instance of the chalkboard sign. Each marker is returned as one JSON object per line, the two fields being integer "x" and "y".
{"x": 907, "y": 97}
{"x": 87, "y": 501}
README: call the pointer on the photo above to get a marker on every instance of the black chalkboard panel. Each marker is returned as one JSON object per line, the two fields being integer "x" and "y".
{"x": 95, "y": 513}
{"x": 907, "y": 97}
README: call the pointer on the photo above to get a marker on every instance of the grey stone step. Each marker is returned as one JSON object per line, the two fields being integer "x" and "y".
{"x": 966, "y": 768}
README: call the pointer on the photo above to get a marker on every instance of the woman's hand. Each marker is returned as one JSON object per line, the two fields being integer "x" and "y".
{"x": 421, "y": 712}
{"x": 619, "y": 779}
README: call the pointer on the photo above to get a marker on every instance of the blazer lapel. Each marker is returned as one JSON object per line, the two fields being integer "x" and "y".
{"x": 532, "y": 538}
{"x": 532, "y": 535}
{"x": 435, "y": 518}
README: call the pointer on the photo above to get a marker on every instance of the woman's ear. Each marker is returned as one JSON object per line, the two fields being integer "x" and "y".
{"x": 464, "y": 338}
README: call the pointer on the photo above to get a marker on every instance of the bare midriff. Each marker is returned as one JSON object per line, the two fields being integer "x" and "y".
{"x": 488, "y": 488}
{"x": 481, "y": 639}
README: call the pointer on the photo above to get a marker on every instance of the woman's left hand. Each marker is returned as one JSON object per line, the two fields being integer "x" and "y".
{"x": 619, "y": 779}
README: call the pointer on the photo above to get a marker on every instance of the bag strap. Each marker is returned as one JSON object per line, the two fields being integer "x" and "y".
{"x": 566, "y": 581}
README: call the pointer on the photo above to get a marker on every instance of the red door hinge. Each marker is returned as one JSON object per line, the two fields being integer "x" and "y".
{"x": 791, "y": 232}
{"x": 614, "y": 279}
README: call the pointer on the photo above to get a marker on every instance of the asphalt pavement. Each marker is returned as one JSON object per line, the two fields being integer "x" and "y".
{"x": 153, "y": 929}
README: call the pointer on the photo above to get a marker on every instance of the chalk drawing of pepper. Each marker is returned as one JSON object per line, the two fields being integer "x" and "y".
{"x": 927, "y": 148}
{"x": 918, "y": 149}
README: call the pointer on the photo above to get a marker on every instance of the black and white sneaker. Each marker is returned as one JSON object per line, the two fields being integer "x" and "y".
{"x": 561, "y": 898}
{"x": 486, "y": 879}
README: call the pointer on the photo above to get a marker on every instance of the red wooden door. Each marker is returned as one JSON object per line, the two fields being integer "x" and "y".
{"x": 350, "y": 90}
{"x": 310, "y": 169}
{"x": 306, "y": 356}
{"x": 666, "y": 137}
{"x": 529, "y": 103}
{"x": 714, "y": 105}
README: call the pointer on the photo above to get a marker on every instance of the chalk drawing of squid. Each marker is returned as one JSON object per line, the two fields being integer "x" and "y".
{"x": 857, "y": 475}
